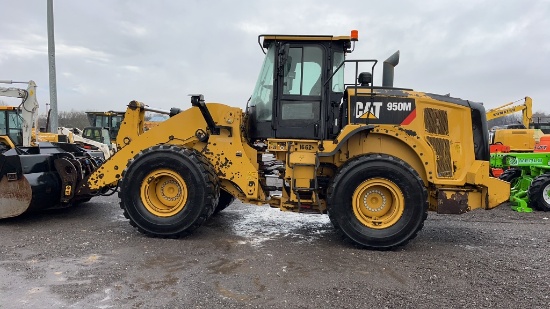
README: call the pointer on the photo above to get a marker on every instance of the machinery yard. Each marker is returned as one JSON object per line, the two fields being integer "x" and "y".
{"x": 89, "y": 257}
{"x": 331, "y": 181}
{"x": 366, "y": 162}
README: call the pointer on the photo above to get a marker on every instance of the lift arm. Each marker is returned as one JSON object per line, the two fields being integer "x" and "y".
{"x": 509, "y": 108}
{"x": 28, "y": 106}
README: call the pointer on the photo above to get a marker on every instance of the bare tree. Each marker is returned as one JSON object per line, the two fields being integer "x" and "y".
{"x": 541, "y": 117}
{"x": 72, "y": 119}
{"x": 510, "y": 119}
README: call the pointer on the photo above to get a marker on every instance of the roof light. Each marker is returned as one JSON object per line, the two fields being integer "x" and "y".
{"x": 354, "y": 35}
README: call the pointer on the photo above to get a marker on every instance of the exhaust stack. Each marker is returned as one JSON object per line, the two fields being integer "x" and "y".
{"x": 389, "y": 65}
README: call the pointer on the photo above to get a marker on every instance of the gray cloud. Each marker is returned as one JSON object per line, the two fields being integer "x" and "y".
{"x": 111, "y": 52}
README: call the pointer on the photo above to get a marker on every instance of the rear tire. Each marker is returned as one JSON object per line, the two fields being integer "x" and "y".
{"x": 168, "y": 191}
{"x": 378, "y": 201}
{"x": 225, "y": 200}
{"x": 539, "y": 193}
{"x": 510, "y": 175}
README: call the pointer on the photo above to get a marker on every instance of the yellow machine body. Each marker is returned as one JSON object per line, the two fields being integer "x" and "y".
{"x": 456, "y": 181}
{"x": 51, "y": 137}
{"x": 519, "y": 140}
{"x": 376, "y": 159}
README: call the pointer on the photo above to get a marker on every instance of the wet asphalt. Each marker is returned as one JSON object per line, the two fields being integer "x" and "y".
{"x": 257, "y": 257}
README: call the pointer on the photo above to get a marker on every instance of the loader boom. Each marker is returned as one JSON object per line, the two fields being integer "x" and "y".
{"x": 526, "y": 108}
{"x": 241, "y": 182}
{"x": 27, "y": 108}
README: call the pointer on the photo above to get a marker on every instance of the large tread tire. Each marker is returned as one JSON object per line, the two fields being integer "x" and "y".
{"x": 200, "y": 183}
{"x": 510, "y": 175}
{"x": 225, "y": 200}
{"x": 378, "y": 169}
{"x": 539, "y": 193}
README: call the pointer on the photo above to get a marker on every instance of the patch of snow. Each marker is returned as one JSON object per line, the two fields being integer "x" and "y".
{"x": 258, "y": 224}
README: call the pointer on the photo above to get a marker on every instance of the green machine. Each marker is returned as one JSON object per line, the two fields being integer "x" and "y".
{"x": 529, "y": 177}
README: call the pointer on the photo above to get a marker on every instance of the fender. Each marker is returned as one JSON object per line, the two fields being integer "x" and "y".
{"x": 344, "y": 136}
{"x": 389, "y": 139}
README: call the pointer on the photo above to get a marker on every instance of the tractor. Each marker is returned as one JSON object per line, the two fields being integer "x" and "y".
{"x": 37, "y": 175}
{"x": 529, "y": 176}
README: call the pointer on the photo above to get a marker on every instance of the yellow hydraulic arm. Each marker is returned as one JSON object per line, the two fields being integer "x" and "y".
{"x": 509, "y": 108}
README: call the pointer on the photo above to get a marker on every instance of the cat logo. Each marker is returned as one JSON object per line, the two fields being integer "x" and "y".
{"x": 369, "y": 110}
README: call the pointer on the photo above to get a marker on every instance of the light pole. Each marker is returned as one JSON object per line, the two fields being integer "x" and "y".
{"x": 51, "y": 58}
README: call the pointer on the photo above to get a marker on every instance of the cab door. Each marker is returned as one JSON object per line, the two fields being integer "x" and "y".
{"x": 300, "y": 92}
{"x": 14, "y": 128}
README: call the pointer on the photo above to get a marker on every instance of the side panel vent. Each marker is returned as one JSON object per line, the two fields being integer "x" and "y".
{"x": 436, "y": 121}
{"x": 442, "y": 147}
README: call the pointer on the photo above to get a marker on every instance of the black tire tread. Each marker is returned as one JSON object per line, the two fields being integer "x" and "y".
{"x": 363, "y": 159}
{"x": 225, "y": 200}
{"x": 535, "y": 190}
{"x": 510, "y": 174}
{"x": 207, "y": 171}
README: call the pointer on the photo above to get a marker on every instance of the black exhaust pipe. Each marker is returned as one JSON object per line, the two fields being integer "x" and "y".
{"x": 389, "y": 65}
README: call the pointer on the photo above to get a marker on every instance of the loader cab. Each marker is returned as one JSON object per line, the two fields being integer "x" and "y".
{"x": 292, "y": 98}
{"x": 111, "y": 120}
{"x": 98, "y": 134}
{"x": 11, "y": 125}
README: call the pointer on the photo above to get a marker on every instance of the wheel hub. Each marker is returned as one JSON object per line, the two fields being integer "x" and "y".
{"x": 170, "y": 190}
{"x": 546, "y": 194}
{"x": 164, "y": 193}
{"x": 374, "y": 200}
{"x": 378, "y": 203}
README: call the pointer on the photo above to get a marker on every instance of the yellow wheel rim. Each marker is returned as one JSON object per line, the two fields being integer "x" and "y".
{"x": 164, "y": 193}
{"x": 378, "y": 203}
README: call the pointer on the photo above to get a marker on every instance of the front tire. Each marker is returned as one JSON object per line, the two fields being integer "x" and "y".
{"x": 378, "y": 201}
{"x": 539, "y": 193}
{"x": 168, "y": 191}
{"x": 511, "y": 175}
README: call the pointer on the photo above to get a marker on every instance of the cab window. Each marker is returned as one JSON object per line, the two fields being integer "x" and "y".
{"x": 302, "y": 72}
{"x": 3, "y": 123}
{"x": 262, "y": 98}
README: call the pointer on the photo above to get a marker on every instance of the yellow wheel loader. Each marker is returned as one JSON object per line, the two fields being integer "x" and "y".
{"x": 374, "y": 158}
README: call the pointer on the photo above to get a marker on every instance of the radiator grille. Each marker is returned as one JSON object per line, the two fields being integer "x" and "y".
{"x": 435, "y": 121}
{"x": 441, "y": 147}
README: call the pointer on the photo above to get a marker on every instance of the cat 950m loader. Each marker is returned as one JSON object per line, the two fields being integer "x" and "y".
{"x": 374, "y": 158}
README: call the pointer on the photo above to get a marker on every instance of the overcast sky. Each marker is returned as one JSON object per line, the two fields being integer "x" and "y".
{"x": 109, "y": 52}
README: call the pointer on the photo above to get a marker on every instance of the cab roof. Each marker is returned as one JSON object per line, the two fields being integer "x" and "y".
{"x": 291, "y": 37}
{"x": 268, "y": 38}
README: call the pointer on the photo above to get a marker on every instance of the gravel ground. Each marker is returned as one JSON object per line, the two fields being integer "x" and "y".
{"x": 257, "y": 257}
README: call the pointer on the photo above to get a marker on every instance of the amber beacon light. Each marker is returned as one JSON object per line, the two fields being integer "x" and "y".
{"x": 354, "y": 35}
